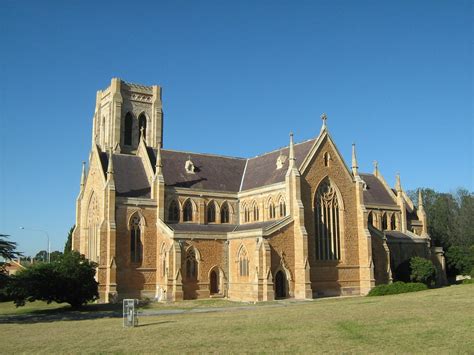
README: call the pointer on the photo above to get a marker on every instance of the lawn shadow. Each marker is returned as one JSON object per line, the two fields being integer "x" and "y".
{"x": 66, "y": 313}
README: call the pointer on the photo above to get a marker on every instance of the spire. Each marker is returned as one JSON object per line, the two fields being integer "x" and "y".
{"x": 292, "y": 149}
{"x": 355, "y": 168}
{"x": 376, "y": 168}
{"x": 110, "y": 167}
{"x": 158, "y": 165}
{"x": 324, "y": 117}
{"x": 420, "y": 199}
{"x": 398, "y": 185}
{"x": 83, "y": 175}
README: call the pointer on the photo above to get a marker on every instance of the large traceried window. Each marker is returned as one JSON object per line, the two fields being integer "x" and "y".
{"x": 128, "y": 128}
{"x": 136, "y": 245}
{"x": 225, "y": 213}
{"x": 327, "y": 218}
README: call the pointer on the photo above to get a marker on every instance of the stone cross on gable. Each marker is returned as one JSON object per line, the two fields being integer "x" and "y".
{"x": 376, "y": 164}
{"x": 324, "y": 117}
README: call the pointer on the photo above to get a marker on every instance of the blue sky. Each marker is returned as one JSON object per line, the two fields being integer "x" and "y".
{"x": 394, "y": 77}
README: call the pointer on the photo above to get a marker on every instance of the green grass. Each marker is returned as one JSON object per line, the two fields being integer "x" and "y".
{"x": 432, "y": 321}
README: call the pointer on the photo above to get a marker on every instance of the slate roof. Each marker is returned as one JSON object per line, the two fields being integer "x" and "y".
{"x": 129, "y": 175}
{"x": 219, "y": 173}
{"x": 261, "y": 170}
{"x": 376, "y": 193}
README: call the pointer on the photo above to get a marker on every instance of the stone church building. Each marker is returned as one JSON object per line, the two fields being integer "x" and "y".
{"x": 293, "y": 223}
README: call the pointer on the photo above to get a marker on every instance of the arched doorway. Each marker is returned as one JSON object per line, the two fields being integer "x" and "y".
{"x": 280, "y": 285}
{"x": 214, "y": 284}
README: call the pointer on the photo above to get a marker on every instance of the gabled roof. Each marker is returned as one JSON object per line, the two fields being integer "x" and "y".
{"x": 261, "y": 170}
{"x": 212, "y": 172}
{"x": 376, "y": 193}
{"x": 220, "y": 173}
{"x": 129, "y": 174}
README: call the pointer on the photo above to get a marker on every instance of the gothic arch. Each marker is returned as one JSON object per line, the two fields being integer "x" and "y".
{"x": 243, "y": 261}
{"x": 171, "y": 214}
{"x": 189, "y": 210}
{"x": 225, "y": 212}
{"x": 282, "y": 208}
{"x": 212, "y": 211}
{"x": 136, "y": 227}
{"x": 271, "y": 208}
{"x": 328, "y": 221}
{"x": 192, "y": 261}
{"x": 127, "y": 131}
{"x": 254, "y": 211}
{"x": 92, "y": 228}
{"x": 142, "y": 122}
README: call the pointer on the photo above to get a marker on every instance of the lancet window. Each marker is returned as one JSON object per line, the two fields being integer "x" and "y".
{"x": 191, "y": 264}
{"x": 271, "y": 210}
{"x": 225, "y": 213}
{"x": 188, "y": 211}
{"x": 173, "y": 211}
{"x": 282, "y": 208}
{"x": 243, "y": 262}
{"x": 136, "y": 245}
{"x": 327, "y": 218}
{"x": 211, "y": 212}
{"x": 142, "y": 125}
{"x": 128, "y": 128}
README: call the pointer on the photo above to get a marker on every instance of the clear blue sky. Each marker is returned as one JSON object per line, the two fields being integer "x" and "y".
{"x": 395, "y": 77}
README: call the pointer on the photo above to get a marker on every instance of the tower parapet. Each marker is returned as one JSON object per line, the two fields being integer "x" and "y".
{"x": 122, "y": 111}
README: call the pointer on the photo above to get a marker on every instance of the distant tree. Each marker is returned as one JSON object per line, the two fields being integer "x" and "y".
{"x": 69, "y": 279}
{"x": 68, "y": 245}
{"x": 460, "y": 260}
{"x": 42, "y": 255}
{"x": 55, "y": 255}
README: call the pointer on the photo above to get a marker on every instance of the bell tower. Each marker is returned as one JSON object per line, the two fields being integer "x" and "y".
{"x": 124, "y": 111}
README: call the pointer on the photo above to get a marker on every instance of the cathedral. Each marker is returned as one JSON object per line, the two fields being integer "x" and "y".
{"x": 296, "y": 222}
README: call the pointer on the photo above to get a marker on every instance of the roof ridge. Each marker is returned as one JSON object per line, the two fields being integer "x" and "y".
{"x": 207, "y": 154}
{"x": 284, "y": 147}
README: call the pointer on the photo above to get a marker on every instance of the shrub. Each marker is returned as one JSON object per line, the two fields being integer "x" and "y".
{"x": 396, "y": 288}
{"x": 70, "y": 279}
{"x": 467, "y": 281}
{"x": 422, "y": 270}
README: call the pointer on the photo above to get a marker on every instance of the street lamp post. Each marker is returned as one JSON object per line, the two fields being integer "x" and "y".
{"x": 47, "y": 236}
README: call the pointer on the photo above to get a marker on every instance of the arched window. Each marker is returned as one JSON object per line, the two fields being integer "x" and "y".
{"x": 191, "y": 264}
{"x": 327, "y": 220}
{"x": 255, "y": 212}
{"x": 393, "y": 224}
{"x": 136, "y": 246}
{"x": 128, "y": 128}
{"x": 370, "y": 220}
{"x": 384, "y": 221}
{"x": 243, "y": 262}
{"x": 188, "y": 211}
{"x": 173, "y": 211}
{"x": 93, "y": 236}
{"x": 246, "y": 214}
{"x": 271, "y": 210}
{"x": 211, "y": 212}
{"x": 141, "y": 124}
{"x": 225, "y": 213}
{"x": 282, "y": 208}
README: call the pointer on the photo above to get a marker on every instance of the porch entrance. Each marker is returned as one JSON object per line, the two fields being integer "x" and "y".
{"x": 281, "y": 285}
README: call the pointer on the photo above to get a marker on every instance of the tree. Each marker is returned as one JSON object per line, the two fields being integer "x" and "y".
{"x": 42, "y": 255}
{"x": 422, "y": 270}
{"x": 70, "y": 279}
{"x": 460, "y": 260}
{"x": 7, "y": 248}
{"x": 68, "y": 245}
{"x": 55, "y": 255}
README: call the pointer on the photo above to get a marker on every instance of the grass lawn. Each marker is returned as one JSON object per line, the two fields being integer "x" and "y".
{"x": 433, "y": 321}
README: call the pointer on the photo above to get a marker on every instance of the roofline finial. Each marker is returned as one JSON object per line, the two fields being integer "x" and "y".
{"x": 355, "y": 168}
{"x": 324, "y": 117}
{"x": 292, "y": 148}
